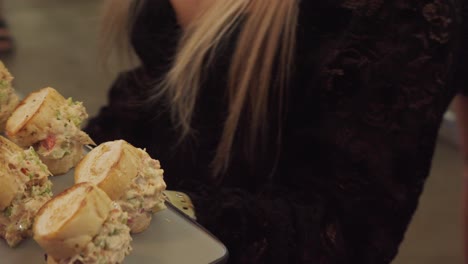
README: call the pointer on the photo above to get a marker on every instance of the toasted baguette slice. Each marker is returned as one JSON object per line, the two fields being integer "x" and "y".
{"x": 68, "y": 222}
{"x": 8, "y": 98}
{"x": 9, "y": 189}
{"x": 129, "y": 176}
{"x": 51, "y": 260}
{"x": 112, "y": 166}
{"x": 28, "y": 123}
{"x": 5, "y": 74}
{"x": 9, "y": 186}
{"x": 7, "y": 109}
{"x": 50, "y": 123}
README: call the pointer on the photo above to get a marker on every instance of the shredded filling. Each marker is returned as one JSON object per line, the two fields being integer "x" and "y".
{"x": 144, "y": 197}
{"x": 36, "y": 189}
{"x": 66, "y": 131}
{"x": 110, "y": 245}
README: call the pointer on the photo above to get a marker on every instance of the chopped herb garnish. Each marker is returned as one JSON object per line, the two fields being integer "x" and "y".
{"x": 7, "y": 211}
{"x": 4, "y": 83}
{"x": 102, "y": 243}
{"x": 46, "y": 191}
{"x": 58, "y": 115}
{"x": 34, "y": 152}
{"x": 115, "y": 232}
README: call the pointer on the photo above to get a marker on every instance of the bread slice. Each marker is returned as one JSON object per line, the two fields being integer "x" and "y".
{"x": 8, "y": 98}
{"x": 24, "y": 188}
{"x": 9, "y": 189}
{"x": 68, "y": 222}
{"x": 9, "y": 185}
{"x": 51, "y": 260}
{"x": 129, "y": 176}
{"x": 50, "y": 123}
{"x": 7, "y": 108}
{"x": 28, "y": 123}
{"x": 5, "y": 74}
{"x": 112, "y": 166}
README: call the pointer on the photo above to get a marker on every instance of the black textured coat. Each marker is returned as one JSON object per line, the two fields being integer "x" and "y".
{"x": 371, "y": 83}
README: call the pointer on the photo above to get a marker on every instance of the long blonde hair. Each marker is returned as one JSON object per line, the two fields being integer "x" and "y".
{"x": 259, "y": 71}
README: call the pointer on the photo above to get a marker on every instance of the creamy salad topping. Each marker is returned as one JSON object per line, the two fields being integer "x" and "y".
{"x": 36, "y": 189}
{"x": 110, "y": 245}
{"x": 65, "y": 131}
{"x": 144, "y": 196}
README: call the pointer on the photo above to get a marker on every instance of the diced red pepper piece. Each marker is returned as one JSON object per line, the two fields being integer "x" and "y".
{"x": 49, "y": 142}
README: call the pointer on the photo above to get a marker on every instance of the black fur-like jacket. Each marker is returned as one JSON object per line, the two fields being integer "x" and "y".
{"x": 371, "y": 82}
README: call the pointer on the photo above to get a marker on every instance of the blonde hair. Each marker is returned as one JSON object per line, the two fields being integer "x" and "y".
{"x": 260, "y": 66}
{"x": 115, "y": 28}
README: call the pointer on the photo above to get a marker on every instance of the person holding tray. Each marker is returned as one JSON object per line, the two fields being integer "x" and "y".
{"x": 303, "y": 131}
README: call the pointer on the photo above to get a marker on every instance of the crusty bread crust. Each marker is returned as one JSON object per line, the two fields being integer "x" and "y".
{"x": 7, "y": 109}
{"x": 9, "y": 103}
{"x": 68, "y": 222}
{"x": 9, "y": 187}
{"x": 51, "y": 260}
{"x": 28, "y": 123}
{"x": 5, "y": 73}
{"x": 112, "y": 166}
{"x": 7, "y": 148}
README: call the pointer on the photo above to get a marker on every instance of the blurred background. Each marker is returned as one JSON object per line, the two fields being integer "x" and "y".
{"x": 56, "y": 45}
